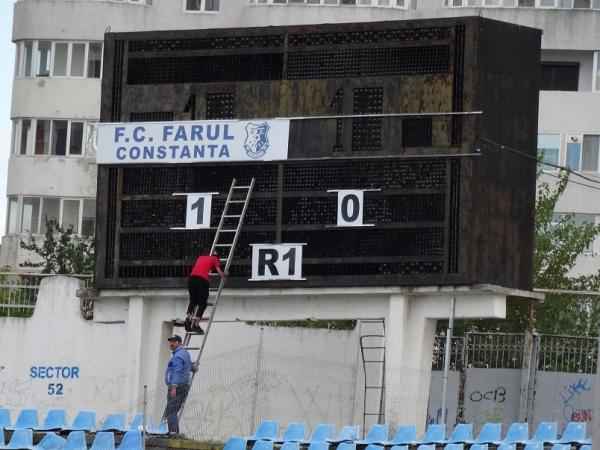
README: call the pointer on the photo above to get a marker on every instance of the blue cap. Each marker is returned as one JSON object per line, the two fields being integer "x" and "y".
{"x": 175, "y": 337}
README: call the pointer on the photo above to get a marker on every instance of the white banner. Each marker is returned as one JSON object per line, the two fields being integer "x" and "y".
{"x": 192, "y": 142}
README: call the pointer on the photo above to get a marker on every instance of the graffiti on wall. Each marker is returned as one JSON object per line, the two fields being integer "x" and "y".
{"x": 569, "y": 395}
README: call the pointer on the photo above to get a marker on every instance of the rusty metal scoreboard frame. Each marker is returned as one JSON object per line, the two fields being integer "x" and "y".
{"x": 445, "y": 206}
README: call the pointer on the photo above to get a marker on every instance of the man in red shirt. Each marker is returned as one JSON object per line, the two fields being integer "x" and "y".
{"x": 198, "y": 284}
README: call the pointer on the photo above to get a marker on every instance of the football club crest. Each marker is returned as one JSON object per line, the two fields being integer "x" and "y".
{"x": 257, "y": 140}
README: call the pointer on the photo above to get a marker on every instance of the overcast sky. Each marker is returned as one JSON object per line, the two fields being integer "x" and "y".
{"x": 7, "y": 56}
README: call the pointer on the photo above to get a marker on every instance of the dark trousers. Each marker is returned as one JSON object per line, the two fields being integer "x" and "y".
{"x": 198, "y": 289}
{"x": 174, "y": 405}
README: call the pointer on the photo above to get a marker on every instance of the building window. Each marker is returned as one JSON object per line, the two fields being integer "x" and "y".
{"x": 61, "y": 53}
{"x": 88, "y": 217}
{"x": 25, "y": 56}
{"x": 60, "y": 59}
{"x": 379, "y": 3}
{"x": 59, "y": 137}
{"x": 548, "y": 148}
{"x": 25, "y": 138}
{"x": 30, "y": 215}
{"x": 24, "y": 214}
{"x": 596, "y": 73}
{"x": 545, "y": 4}
{"x": 559, "y": 76}
{"x": 591, "y": 150}
{"x": 11, "y": 217}
{"x": 52, "y": 137}
{"x": 77, "y": 60}
{"x": 94, "y": 63}
{"x": 573, "y": 160}
{"x": 202, "y": 5}
{"x": 579, "y": 220}
{"x": 43, "y": 58}
{"x": 42, "y": 137}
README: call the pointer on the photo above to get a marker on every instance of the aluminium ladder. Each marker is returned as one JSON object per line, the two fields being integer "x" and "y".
{"x": 225, "y": 240}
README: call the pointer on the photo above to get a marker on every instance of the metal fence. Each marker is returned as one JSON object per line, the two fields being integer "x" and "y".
{"x": 19, "y": 291}
{"x": 505, "y": 351}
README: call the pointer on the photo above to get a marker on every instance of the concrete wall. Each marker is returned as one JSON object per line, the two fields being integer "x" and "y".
{"x": 492, "y": 395}
{"x": 57, "y": 336}
{"x": 304, "y": 374}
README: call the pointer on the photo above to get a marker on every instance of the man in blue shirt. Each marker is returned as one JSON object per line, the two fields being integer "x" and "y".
{"x": 177, "y": 378}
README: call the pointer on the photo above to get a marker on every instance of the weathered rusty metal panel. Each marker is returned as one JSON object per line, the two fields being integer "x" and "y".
{"x": 453, "y": 208}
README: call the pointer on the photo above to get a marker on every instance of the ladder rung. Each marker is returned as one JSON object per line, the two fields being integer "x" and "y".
{"x": 241, "y": 187}
{"x": 230, "y": 216}
{"x": 192, "y": 348}
{"x": 236, "y": 201}
{"x": 222, "y": 245}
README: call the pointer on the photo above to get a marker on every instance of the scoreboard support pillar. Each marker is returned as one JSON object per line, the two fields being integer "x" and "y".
{"x": 410, "y": 327}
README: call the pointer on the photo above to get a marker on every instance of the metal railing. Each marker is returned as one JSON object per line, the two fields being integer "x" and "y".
{"x": 505, "y": 351}
{"x": 19, "y": 292}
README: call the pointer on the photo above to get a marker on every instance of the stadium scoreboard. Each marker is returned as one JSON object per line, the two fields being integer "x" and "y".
{"x": 376, "y": 149}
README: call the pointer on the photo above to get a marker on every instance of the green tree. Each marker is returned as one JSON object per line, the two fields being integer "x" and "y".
{"x": 559, "y": 242}
{"x": 61, "y": 251}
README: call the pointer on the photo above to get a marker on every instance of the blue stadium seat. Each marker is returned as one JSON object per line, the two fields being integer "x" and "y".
{"x": 318, "y": 445}
{"x": 376, "y": 435}
{"x": 104, "y": 440}
{"x": 2, "y": 437}
{"x": 546, "y": 432}
{"x": 56, "y": 419}
{"x": 479, "y": 447}
{"x": 50, "y": 442}
{"x": 114, "y": 422}
{"x": 235, "y": 444}
{"x": 132, "y": 440}
{"x": 399, "y": 447}
{"x": 266, "y": 430}
{"x": 405, "y": 435}
{"x": 426, "y": 447}
{"x": 293, "y": 445}
{"x": 435, "y": 434}
{"x": 463, "y": 432}
{"x": 321, "y": 433}
{"x": 534, "y": 445}
{"x": 574, "y": 433}
{"x": 295, "y": 432}
{"x": 517, "y": 433}
{"x": 507, "y": 447}
{"x": 75, "y": 441}
{"x": 490, "y": 432}
{"x": 5, "y": 417}
{"x": 28, "y": 418}
{"x": 374, "y": 447}
{"x": 346, "y": 446}
{"x": 563, "y": 447}
{"x": 454, "y": 446}
{"x": 586, "y": 447}
{"x": 348, "y": 434}
{"x": 20, "y": 439}
{"x": 263, "y": 444}
{"x": 84, "y": 421}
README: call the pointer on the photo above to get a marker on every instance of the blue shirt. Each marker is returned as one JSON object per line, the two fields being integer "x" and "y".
{"x": 179, "y": 367}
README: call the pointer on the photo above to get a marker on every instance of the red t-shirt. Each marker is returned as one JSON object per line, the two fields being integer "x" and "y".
{"x": 204, "y": 265}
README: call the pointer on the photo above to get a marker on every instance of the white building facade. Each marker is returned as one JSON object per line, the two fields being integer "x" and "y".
{"x": 58, "y": 69}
